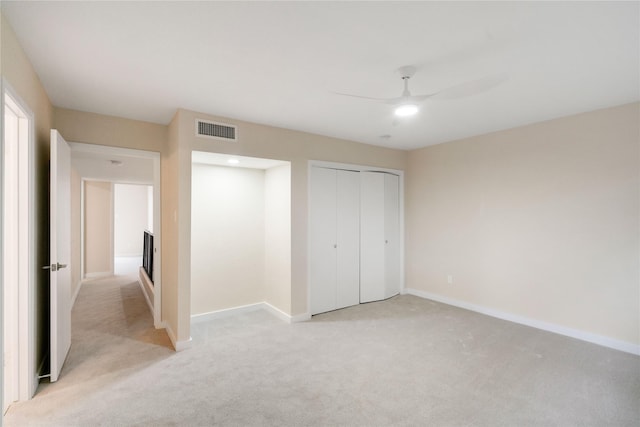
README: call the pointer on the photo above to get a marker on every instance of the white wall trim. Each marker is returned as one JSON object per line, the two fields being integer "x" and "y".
{"x": 228, "y": 312}
{"x": 82, "y": 220}
{"x": 300, "y": 317}
{"x": 112, "y": 228}
{"x": 627, "y": 347}
{"x": 276, "y": 312}
{"x": 177, "y": 345}
{"x": 25, "y": 315}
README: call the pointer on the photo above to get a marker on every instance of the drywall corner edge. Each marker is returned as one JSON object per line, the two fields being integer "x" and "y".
{"x": 177, "y": 345}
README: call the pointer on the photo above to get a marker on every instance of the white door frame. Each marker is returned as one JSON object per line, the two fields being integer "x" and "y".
{"x": 22, "y": 313}
{"x": 359, "y": 168}
{"x": 157, "y": 232}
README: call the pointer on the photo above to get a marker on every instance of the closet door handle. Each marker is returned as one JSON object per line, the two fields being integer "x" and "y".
{"x": 335, "y": 245}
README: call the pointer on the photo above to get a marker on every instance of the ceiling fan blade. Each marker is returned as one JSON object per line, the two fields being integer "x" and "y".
{"x": 397, "y": 101}
{"x": 412, "y": 99}
{"x": 470, "y": 88}
{"x": 420, "y": 98}
{"x": 365, "y": 97}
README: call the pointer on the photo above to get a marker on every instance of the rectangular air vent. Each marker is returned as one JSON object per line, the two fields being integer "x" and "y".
{"x": 216, "y": 130}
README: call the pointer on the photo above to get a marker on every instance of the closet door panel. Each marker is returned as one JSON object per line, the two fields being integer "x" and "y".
{"x": 372, "y": 236}
{"x": 392, "y": 234}
{"x": 323, "y": 240}
{"x": 348, "y": 238}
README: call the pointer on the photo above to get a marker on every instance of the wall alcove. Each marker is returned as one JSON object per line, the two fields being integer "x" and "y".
{"x": 240, "y": 233}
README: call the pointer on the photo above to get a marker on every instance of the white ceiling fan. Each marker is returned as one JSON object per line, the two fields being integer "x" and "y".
{"x": 408, "y": 104}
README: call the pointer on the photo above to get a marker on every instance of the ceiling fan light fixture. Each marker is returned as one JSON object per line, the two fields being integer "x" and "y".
{"x": 406, "y": 110}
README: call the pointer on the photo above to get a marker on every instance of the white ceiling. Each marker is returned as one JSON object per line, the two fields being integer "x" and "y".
{"x": 98, "y": 166}
{"x": 239, "y": 161}
{"x": 277, "y": 63}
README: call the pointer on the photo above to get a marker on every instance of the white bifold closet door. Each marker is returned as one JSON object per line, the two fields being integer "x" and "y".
{"x": 379, "y": 236}
{"x": 335, "y": 239}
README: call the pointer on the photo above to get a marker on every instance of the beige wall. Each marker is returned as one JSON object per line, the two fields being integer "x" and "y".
{"x": 227, "y": 241}
{"x": 98, "y": 228}
{"x": 539, "y": 221}
{"x": 277, "y": 237}
{"x": 90, "y": 128}
{"x": 18, "y": 72}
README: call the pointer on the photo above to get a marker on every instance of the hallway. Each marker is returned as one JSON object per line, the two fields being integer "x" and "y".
{"x": 112, "y": 338}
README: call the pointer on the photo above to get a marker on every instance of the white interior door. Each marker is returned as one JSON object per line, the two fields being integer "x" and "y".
{"x": 60, "y": 252}
{"x": 323, "y": 240}
{"x": 348, "y": 238}
{"x": 372, "y": 237}
{"x": 392, "y": 234}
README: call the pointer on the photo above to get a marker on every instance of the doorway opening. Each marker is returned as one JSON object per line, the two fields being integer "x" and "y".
{"x": 132, "y": 221}
{"x": 115, "y": 191}
{"x": 240, "y": 234}
{"x": 19, "y": 375}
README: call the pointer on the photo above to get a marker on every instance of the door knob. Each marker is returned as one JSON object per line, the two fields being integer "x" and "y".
{"x": 54, "y": 267}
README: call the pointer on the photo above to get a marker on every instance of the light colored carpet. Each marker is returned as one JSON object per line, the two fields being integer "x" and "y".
{"x": 401, "y": 362}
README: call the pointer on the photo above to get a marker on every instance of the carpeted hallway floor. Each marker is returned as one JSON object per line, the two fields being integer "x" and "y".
{"x": 401, "y": 362}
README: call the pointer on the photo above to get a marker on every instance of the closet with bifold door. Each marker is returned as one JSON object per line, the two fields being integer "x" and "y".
{"x": 335, "y": 237}
{"x": 379, "y": 236}
{"x": 354, "y": 237}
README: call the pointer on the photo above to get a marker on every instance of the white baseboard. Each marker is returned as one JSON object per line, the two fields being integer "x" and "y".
{"x": 276, "y": 312}
{"x": 177, "y": 345}
{"x": 300, "y": 317}
{"x": 218, "y": 314}
{"x": 627, "y": 347}
{"x": 284, "y": 316}
{"x": 75, "y": 294}
{"x": 203, "y": 317}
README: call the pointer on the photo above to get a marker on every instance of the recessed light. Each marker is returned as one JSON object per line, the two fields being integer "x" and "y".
{"x": 233, "y": 161}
